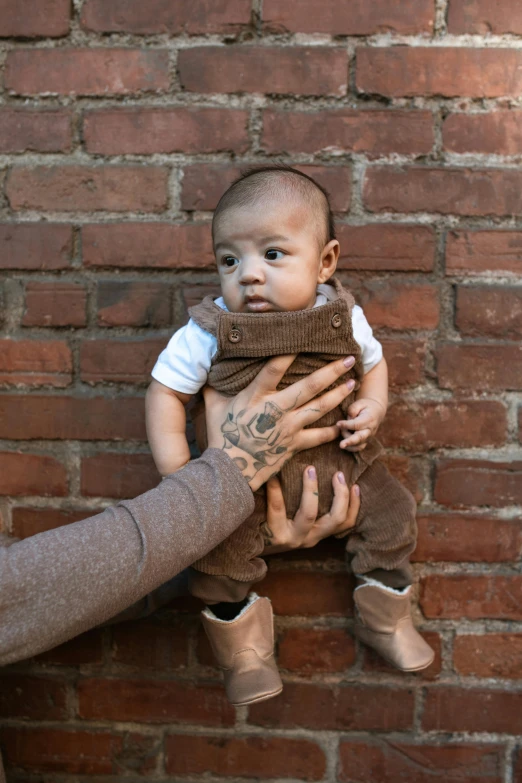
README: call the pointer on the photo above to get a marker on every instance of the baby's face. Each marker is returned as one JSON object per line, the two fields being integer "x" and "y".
{"x": 269, "y": 259}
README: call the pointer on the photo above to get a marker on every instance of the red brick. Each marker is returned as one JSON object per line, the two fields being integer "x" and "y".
{"x": 124, "y": 361}
{"x": 133, "y": 303}
{"x": 492, "y": 133}
{"x": 146, "y": 130}
{"x": 118, "y": 475}
{"x": 517, "y": 771}
{"x": 348, "y": 130}
{"x": 467, "y": 482}
{"x": 31, "y": 474}
{"x": 35, "y": 246}
{"x": 453, "y": 424}
{"x": 305, "y": 593}
{"x": 310, "y": 650}
{"x": 300, "y": 70}
{"x": 38, "y": 417}
{"x": 86, "y": 649}
{"x": 481, "y": 17}
{"x": 377, "y": 761}
{"x": 473, "y": 597}
{"x": 447, "y": 191}
{"x": 37, "y": 698}
{"x": 412, "y": 472}
{"x": 470, "y": 538}
{"x": 203, "y": 185}
{"x": 490, "y": 655}
{"x": 345, "y": 708}
{"x": 394, "y": 304}
{"x": 487, "y": 366}
{"x": 443, "y": 70}
{"x": 88, "y": 188}
{"x": 154, "y": 701}
{"x": 55, "y": 304}
{"x": 460, "y": 709}
{"x": 24, "y": 19}
{"x": 379, "y": 246}
{"x": 357, "y": 18}
{"x": 35, "y": 363}
{"x": 27, "y": 130}
{"x": 492, "y": 311}
{"x": 107, "y": 71}
{"x": 484, "y": 252}
{"x": 145, "y": 245}
{"x": 375, "y": 664}
{"x": 278, "y": 757}
{"x": 405, "y": 360}
{"x": 194, "y": 295}
{"x": 28, "y": 522}
{"x": 166, "y": 648}
{"x": 163, "y": 16}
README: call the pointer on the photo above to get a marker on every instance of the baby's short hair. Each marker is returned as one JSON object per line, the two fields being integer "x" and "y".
{"x": 269, "y": 181}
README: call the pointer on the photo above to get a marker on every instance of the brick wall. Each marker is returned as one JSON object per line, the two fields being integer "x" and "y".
{"x": 120, "y": 124}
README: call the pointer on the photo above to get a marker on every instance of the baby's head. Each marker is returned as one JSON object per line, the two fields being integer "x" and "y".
{"x": 274, "y": 241}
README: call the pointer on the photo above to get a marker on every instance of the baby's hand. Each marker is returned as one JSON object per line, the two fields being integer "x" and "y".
{"x": 366, "y": 416}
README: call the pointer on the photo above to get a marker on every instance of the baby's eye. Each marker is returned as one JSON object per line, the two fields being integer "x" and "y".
{"x": 274, "y": 255}
{"x": 229, "y": 261}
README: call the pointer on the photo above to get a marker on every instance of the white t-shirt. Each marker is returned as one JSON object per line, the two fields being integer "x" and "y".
{"x": 184, "y": 364}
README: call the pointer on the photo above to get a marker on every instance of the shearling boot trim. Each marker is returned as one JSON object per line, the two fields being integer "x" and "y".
{"x": 369, "y": 582}
{"x": 210, "y": 614}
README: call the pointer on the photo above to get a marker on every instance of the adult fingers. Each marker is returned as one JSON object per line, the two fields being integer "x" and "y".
{"x": 307, "y": 439}
{"x": 274, "y": 499}
{"x": 308, "y": 388}
{"x": 309, "y": 505}
{"x": 269, "y": 376}
{"x": 314, "y": 410}
{"x": 353, "y": 511}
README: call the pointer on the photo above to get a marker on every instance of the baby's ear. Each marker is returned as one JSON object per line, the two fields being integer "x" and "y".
{"x": 329, "y": 258}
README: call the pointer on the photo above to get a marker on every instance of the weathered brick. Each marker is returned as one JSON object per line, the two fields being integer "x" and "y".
{"x": 158, "y": 245}
{"x": 299, "y": 70}
{"x": 100, "y": 71}
{"x": 454, "y": 424}
{"x": 203, "y": 185}
{"x": 88, "y": 188}
{"x": 48, "y": 18}
{"x": 467, "y": 537}
{"x": 467, "y": 482}
{"x": 29, "y": 130}
{"x": 345, "y": 708}
{"x": 487, "y": 366}
{"x": 31, "y": 474}
{"x": 278, "y": 757}
{"x": 439, "y": 70}
{"x": 310, "y": 650}
{"x": 491, "y": 311}
{"x": 447, "y": 191}
{"x": 385, "y": 247}
{"x": 388, "y": 762}
{"x": 86, "y": 649}
{"x": 39, "y": 417}
{"x": 517, "y": 770}
{"x": 488, "y": 655}
{"x": 357, "y": 18}
{"x": 148, "y": 130}
{"x": 405, "y": 360}
{"x": 162, "y": 16}
{"x": 55, "y": 304}
{"x": 491, "y": 133}
{"x": 304, "y": 593}
{"x": 35, "y": 246}
{"x": 166, "y": 648}
{"x": 475, "y": 597}
{"x": 38, "y": 698}
{"x": 484, "y": 252}
{"x": 28, "y": 522}
{"x": 123, "y": 361}
{"x": 478, "y": 710}
{"x": 374, "y": 663}
{"x": 394, "y": 304}
{"x": 347, "y": 130}
{"x": 35, "y": 363}
{"x": 154, "y": 701}
{"x": 410, "y": 471}
{"x": 133, "y": 303}
{"x": 480, "y": 17}
{"x": 117, "y": 475}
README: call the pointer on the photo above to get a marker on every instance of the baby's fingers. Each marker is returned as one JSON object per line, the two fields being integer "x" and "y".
{"x": 356, "y": 439}
{"x": 361, "y": 422}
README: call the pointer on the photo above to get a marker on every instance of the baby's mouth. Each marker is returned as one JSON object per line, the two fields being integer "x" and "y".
{"x": 256, "y": 304}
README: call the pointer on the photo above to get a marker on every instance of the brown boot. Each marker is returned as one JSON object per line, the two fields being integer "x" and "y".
{"x": 383, "y": 621}
{"x": 244, "y": 649}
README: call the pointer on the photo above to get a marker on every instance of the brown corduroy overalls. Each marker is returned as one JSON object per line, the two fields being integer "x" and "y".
{"x": 385, "y": 533}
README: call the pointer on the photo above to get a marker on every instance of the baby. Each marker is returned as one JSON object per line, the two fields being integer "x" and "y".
{"x": 276, "y": 253}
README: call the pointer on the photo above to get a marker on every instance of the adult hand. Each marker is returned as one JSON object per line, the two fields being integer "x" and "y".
{"x": 305, "y": 530}
{"x": 261, "y": 428}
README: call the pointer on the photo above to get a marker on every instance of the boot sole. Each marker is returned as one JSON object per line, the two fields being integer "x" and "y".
{"x": 265, "y": 697}
{"x": 360, "y": 636}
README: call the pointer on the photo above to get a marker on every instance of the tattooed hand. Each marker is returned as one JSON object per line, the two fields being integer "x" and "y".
{"x": 261, "y": 428}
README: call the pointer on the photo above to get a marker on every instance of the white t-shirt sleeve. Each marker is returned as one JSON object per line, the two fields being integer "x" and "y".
{"x": 362, "y": 332}
{"x": 184, "y": 364}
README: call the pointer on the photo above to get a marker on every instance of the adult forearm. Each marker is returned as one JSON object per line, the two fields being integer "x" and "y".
{"x": 60, "y": 583}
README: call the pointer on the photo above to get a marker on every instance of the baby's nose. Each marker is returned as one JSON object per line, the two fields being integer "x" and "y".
{"x": 251, "y": 272}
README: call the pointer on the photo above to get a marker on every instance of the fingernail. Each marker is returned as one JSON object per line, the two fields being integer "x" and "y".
{"x": 356, "y": 490}
{"x": 341, "y": 478}
{"x": 351, "y": 384}
{"x": 349, "y": 361}
{"x": 311, "y": 473}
